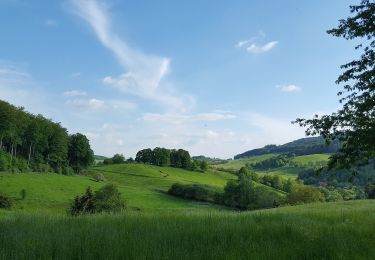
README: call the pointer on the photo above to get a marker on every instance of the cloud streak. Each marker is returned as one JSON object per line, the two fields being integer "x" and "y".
{"x": 143, "y": 73}
{"x": 289, "y": 88}
{"x": 253, "y": 47}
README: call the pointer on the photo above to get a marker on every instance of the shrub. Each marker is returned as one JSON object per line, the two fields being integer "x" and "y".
{"x": 66, "y": 170}
{"x": 108, "y": 199}
{"x": 330, "y": 194}
{"x": 193, "y": 191}
{"x": 84, "y": 204}
{"x": 304, "y": 194}
{"x": 5, "y": 201}
{"x": 23, "y": 194}
{"x": 370, "y": 191}
{"x": 99, "y": 177}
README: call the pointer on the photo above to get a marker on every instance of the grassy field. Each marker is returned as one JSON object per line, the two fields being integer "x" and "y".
{"x": 312, "y": 158}
{"x": 344, "y": 230}
{"x": 237, "y": 164}
{"x": 286, "y": 171}
{"x": 142, "y": 186}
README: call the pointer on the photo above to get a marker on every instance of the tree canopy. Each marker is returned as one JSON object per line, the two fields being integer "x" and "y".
{"x": 33, "y": 142}
{"x": 354, "y": 123}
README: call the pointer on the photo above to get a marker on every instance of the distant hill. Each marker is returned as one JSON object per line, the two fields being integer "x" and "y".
{"x": 209, "y": 160}
{"x": 304, "y": 146}
{"x": 99, "y": 157}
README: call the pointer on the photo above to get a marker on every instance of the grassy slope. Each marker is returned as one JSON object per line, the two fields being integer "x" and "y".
{"x": 237, "y": 164}
{"x": 344, "y": 230}
{"x": 143, "y": 186}
{"x": 287, "y": 172}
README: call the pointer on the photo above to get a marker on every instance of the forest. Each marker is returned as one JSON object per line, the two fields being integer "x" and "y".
{"x": 34, "y": 143}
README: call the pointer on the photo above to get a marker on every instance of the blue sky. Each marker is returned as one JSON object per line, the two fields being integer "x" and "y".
{"x": 213, "y": 77}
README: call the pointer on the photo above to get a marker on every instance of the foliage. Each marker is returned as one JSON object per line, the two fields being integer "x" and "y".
{"x": 370, "y": 191}
{"x": 198, "y": 192}
{"x": 108, "y": 199}
{"x": 165, "y": 157}
{"x": 242, "y": 194}
{"x": 354, "y": 123}
{"x": 80, "y": 154}
{"x": 304, "y": 146}
{"x": 5, "y": 201}
{"x": 358, "y": 176}
{"x": 23, "y": 194}
{"x": 274, "y": 162}
{"x": 32, "y": 142}
{"x": 116, "y": 159}
{"x": 84, "y": 204}
{"x": 304, "y": 194}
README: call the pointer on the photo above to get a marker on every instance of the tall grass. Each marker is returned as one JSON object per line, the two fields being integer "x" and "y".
{"x": 343, "y": 230}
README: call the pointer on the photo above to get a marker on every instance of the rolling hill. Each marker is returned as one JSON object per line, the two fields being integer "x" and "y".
{"x": 142, "y": 186}
{"x": 304, "y": 146}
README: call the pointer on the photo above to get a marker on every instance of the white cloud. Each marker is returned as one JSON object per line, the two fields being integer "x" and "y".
{"x": 74, "y": 93}
{"x": 289, "y": 88}
{"x": 51, "y": 23}
{"x": 143, "y": 73}
{"x": 254, "y": 48}
{"x": 91, "y": 103}
{"x": 97, "y": 104}
{"x": 185, "y": 118}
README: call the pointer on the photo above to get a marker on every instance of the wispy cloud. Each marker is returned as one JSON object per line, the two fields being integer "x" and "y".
{"x": 74, "y": 93}
{"x": 143, "y": 73}
{"x": 51, "y": 23}
{"x": 91, "y": 103}
{"x": 256, "y": 49}
{"x": 184, "y": 118}
{"x": 75, "y": 74}
{"x": 252, "y": 46}
{"x": 289, "y": 88}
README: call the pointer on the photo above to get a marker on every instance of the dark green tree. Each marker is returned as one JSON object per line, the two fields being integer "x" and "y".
{"x": 354, "y": 123}
{"x": 161, "y": 156}
{"x": 145, "y": 156}
{"x": 80, "y": 154}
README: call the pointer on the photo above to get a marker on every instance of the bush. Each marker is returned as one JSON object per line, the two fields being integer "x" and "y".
{"x": 23, "y": 194}
{"x": 84, "y": 204}
{"x": 370, "y": 191}
{"x": 99, "y": 177}
{"x": 330, "y": 194}
{"x": 106, "y": 199}
{"x": 304, "y": 194}
{"x": 5, "y": 201}
{"x": 193, "y": 191}
{"x": 66, "y": 170}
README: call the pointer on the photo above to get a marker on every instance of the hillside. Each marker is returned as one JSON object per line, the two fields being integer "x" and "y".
{"x": 304, "y": 146}
{"x": 344, "y": 230}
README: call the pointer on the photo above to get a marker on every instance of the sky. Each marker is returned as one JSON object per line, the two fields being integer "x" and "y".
{"x": 214, "y": 77}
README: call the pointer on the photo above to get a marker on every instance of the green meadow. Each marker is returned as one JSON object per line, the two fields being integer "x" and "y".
{"x": 344, "y": 230}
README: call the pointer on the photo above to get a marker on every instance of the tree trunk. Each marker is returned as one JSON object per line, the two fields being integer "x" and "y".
{"x": 1, "y": 142}
{"x": 28, "y": 161}
{"x": 11, "y": 154}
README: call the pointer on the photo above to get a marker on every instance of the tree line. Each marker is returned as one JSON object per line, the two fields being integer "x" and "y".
{"x": 33, "y": 142}
{"x": 170, "y": 157}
